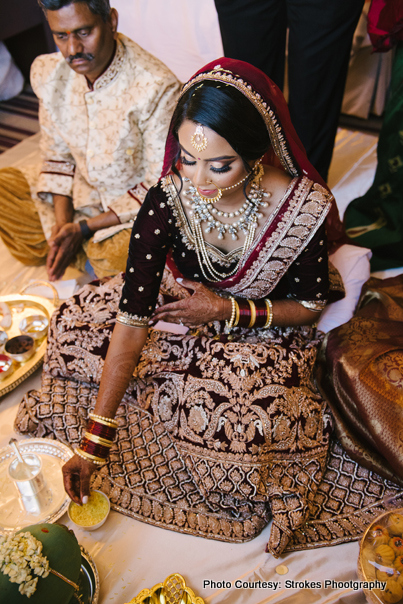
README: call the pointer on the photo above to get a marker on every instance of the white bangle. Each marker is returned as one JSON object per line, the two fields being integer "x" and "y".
{"x": 269, "y": 307}
{"x": 230, "y": 324}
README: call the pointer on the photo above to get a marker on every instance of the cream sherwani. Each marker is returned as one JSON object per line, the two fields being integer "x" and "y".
{"x": 103, "y": 146}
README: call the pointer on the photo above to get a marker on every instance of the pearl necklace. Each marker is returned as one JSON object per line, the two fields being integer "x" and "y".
{"x": 204, "y": 211}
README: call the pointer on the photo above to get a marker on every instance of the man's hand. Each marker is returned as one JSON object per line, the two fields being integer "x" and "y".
{"x": 63, "y": 246}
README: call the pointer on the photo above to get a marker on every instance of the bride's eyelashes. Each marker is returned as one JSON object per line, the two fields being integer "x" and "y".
{"x": 221, "y": 170}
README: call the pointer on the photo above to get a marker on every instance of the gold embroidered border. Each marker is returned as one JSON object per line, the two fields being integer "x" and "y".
{"x": 113, "y": 69}
{"x": 307, "y": 211}
{"x": 58, "y": 167}
{"x": 133, "y": 320}
{"x": 317, "y": 305}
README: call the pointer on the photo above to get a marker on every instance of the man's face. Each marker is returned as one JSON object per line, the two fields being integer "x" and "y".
{"x": 84, "y": 39}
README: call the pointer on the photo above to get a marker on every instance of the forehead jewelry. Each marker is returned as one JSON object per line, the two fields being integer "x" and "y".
{"x": 199, "y": 140}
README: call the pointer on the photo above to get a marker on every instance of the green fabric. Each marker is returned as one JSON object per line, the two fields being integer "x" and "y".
{"x": 376, "y": 219}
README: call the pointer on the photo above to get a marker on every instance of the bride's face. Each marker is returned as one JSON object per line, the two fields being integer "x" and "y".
{"x": 216, "y": 166}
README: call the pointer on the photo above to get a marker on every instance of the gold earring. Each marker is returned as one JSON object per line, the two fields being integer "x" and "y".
{"x": 199, "y": 140}
{"x": 258, "y": 172}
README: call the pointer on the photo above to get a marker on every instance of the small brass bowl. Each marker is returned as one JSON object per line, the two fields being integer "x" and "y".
{"x": 6, "y": 366}
{"x": 88, "y": 521}
{"x": 35, "y": 326}
{"x": 20, "y": 348}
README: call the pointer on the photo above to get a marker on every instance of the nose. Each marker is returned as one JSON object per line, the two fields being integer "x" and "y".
{"x": 73, "y": 45}
{"x": 200, "y": 177}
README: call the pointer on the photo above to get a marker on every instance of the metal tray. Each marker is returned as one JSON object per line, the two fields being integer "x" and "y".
{"x": 21, "y": 306}
{"x": 54, "y": 455}
{"x": 88, "y": 580}
{"x": 172, "y": 590}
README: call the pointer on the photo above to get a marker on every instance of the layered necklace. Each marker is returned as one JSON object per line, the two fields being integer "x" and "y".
{"x": 246, "y": 220}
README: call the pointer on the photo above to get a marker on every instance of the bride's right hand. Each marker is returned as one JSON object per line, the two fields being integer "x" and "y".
{"x": 76, "y": 477}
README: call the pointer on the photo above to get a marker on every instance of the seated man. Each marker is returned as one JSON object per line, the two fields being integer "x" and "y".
{"x": 105, "y": 107}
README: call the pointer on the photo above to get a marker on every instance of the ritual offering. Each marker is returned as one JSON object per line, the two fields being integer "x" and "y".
{"x": 24, "y": 322}
{"x": 20, "y": 348}
{"x": 35, "y": 326}
{"x": 381, "y": 559}
{"x": 41, "y": 563}
{"x": 91, "y": 515}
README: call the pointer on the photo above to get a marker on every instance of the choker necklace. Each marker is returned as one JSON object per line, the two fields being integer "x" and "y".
{"x": 204, "y": 211}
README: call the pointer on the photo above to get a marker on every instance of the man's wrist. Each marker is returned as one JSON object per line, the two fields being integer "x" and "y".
{"x": 86, "y": 232}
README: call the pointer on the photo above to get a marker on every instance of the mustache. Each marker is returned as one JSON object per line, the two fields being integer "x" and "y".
{"x": 80, "y": 55}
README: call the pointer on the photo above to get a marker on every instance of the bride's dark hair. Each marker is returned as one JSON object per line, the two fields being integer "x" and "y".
{"x": 229, "y": 113}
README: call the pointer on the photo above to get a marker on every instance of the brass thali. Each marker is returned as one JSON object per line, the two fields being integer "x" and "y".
{"x": 22, "y": 306}
{"x": 172, "y": 591}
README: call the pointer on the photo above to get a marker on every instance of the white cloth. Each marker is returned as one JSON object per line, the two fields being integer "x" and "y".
{"x": 103, "y": 147}
{"x": 184, "y": 34}
{"x": 11, "y": 78}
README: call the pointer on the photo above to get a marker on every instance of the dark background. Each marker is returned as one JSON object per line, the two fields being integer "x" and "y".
{"x": 24, "y": 30}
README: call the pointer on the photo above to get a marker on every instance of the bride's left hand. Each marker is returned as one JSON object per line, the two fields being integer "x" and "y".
{"x": 203, "y": 306}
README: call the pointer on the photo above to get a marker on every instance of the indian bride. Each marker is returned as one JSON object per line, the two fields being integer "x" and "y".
{"x": 186, "y": 385}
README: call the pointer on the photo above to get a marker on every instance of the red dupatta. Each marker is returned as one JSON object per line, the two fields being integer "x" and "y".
{"x": 385, "y": 23}
{"x": 286, "y": 150}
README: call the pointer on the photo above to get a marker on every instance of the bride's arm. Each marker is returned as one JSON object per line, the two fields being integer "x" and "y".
{"x": 124, "y": 351}
{"x": 205, "y": 306}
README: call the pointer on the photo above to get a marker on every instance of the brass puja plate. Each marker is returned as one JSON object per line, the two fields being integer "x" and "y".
{"x": 22, "y": 306}
{"x": 172, "y": 591}
{"x": 54, "y": 502}
{"x": 381, "y": 558}
{"x": 88, "y": 581}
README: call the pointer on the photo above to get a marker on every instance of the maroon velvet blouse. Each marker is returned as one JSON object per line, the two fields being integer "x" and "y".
{"x": 158, "y": 230}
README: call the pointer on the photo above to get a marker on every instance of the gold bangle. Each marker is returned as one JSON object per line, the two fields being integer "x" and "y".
{"x": 252, "y": 313}
{"x": 98, "y": 440}
{"x": 269, "y": 307}
{"x": 230, "y": 324}
{"x": 88, "y": 457}
{"x": 236, "y": 313}
{"x": 106, "y": 421}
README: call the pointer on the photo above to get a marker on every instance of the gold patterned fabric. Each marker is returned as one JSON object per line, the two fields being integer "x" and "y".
{"x": 361, "y": 375}
{"x": 20, "y": 226}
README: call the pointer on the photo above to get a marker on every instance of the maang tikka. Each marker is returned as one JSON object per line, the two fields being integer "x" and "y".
{"x": 199, "y": 140}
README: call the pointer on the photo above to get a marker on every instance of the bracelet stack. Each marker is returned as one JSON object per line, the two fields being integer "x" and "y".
{"x": 250, "y": 313}
{"x": 98, "y": 439}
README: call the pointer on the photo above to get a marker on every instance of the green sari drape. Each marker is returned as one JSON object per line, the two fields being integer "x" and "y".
{"x": 375, "y": 220}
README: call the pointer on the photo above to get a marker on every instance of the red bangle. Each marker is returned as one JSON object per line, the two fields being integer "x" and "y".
{"x": 261, "y": 313}
{"x": 101, "y": 430}
{"x": 244, "y": 313}
{"x": 94, "y": 448}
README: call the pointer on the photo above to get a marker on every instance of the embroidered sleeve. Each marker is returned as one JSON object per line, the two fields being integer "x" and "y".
{"x": 308, "y": 276}
{"x": 127, "y": 206}
{"x": 149, "y": 245}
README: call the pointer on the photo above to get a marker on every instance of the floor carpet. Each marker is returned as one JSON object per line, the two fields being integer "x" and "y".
{"x": 18, "y": 119}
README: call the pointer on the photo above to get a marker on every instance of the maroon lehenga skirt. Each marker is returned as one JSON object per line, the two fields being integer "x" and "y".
{"x": 217, "y": 433}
